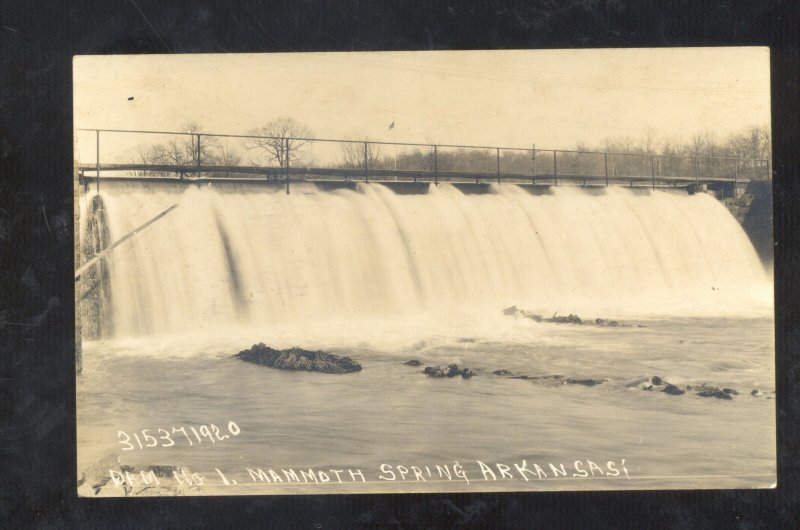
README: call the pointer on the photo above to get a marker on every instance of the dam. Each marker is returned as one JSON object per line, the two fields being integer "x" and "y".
{"x": 382, "y": 228}
{"x": 232, "y": 253}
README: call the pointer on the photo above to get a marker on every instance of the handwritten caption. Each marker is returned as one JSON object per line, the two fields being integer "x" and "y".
{"x": 469, "y": 473}
{"x": 161, "y": 437}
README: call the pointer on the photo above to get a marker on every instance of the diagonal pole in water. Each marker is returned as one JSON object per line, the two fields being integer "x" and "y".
{"x": 97, "y": 257}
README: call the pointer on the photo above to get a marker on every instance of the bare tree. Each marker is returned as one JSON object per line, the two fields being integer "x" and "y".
{"x": 183, "y": 150}
{"x": 353, "y": 154}
{"x": 280, "y": 140}
{"x": 697, "y": 145}
{"x": 649, "y": 140}
{"x": 200, "y": 146}
{"x": 227, "y": 156}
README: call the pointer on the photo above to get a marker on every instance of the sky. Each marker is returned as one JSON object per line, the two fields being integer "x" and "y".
{"x": 509, "y": 98}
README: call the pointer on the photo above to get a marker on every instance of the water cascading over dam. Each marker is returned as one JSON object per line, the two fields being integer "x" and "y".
{"x": 255, "y": 256}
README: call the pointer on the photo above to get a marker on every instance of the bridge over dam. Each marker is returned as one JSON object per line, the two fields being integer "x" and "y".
{"x": 194, "y": 157}
{"x": 185, "y": 159}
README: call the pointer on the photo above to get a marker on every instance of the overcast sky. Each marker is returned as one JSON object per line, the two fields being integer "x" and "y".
{"x": 554, "y": 98}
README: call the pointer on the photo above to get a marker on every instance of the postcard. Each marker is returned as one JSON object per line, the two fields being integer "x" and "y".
{"x": 398, "y": 272}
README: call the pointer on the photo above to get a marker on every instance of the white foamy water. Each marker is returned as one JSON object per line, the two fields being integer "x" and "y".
{"x": 239, "y": 256}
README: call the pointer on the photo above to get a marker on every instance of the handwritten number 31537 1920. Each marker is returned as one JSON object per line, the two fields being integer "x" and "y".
{"x": 164, "y": 438}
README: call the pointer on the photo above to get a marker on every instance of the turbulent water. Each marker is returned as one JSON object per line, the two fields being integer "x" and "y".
{"x": 237, "y": 256}
{"x": 385, "y": 277}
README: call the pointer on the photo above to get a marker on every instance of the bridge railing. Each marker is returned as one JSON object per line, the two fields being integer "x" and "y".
{"x": 163, "y": 154}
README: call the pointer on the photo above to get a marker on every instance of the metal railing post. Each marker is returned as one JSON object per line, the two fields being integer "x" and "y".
{"x": 605, "y": 162}
{"x": 436, "y": 165}
{"x": 555, "y": 168}
{"x": 366, "y": 163}
{"x": 653, "y": 170}
{"x": 696, "y": 173}
{"x": 97, "y": 176}
{"x": 286, "y": 154}
{"x": 533, "y": 163}
{"x": 198, "y": 155}
{"x": 735, "y": 176}
{"x": 498, "y": 165}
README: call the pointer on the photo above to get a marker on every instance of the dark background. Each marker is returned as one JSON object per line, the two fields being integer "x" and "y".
{"x": 37, "y": 405}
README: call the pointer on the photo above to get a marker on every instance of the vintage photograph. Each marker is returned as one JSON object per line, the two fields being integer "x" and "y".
{"x": 401, "y": 272}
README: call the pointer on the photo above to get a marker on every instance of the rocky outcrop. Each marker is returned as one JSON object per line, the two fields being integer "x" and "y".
{"x": 570, "y": 319}
{"x": 299, "y": 359}
{"x": 707, "y": 390}
{"x": 657, "y": 383}
{"x": 452, "y": 370}
{"x": 584, "y": 382}
{"x": 521, "y": 313}
{"x": 673, "y": 390}
{"x": 753, "y": 210}
{"x": 549, "y": 380}
{"x": 652, "y": 383}
{"x": 767, "y": 394}
{"x": 516, "y": 312}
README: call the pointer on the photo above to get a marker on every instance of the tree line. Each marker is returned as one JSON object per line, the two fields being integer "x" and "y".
{"x": 284, "y": 142}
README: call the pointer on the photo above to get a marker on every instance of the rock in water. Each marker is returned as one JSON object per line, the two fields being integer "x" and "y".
{"x": 571, "y": 319}
{"x": 714, "y": 392}
{"x": 673, "y": 390}
{"x": 433, "y": 371}
{"x": 413, "y": 362}
{"x": 452, "y": 370}
{"x": 648, "y": 383}
{"x": 584, "y": 382}
{"x": 299, "y": 359}
{"x": 609, "y": 323}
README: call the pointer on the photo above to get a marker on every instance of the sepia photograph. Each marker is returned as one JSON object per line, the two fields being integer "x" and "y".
{"x": 424, "y": 272}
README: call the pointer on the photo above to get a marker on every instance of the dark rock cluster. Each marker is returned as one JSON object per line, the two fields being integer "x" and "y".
{"x": 609, "y": 323}
{"x": 299, "y": 359}
{"x": 569, "y": 319}
{"x": 705, "y": 390}
{"x": 656, "y": 383}
{"x": 516, "y": 312}
{"x": 452, "y": 370}
{"x": 550, "y": 380}
{"x": 652, "y": 383}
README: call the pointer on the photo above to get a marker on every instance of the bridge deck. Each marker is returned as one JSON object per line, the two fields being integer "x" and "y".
{"x": 144, "y": 172}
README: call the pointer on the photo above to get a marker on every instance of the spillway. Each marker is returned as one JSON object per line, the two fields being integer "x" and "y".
{"x": 255, "y": 256}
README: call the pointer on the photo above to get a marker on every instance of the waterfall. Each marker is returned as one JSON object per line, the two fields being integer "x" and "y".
{"x": 250, "y": 255}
